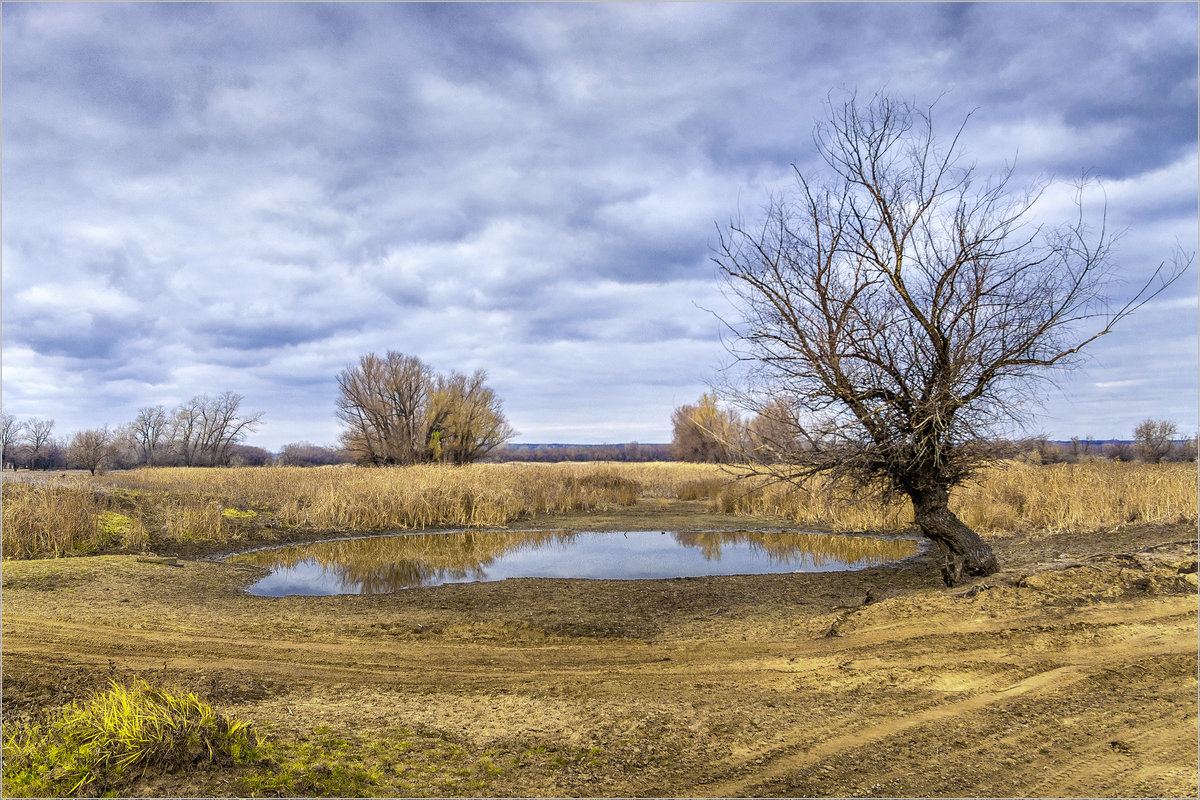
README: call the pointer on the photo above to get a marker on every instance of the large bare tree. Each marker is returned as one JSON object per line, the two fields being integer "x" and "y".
{"x": 895, "y": 309}
{"x": 149, "y": 433}
{"x": 384, "y": 403}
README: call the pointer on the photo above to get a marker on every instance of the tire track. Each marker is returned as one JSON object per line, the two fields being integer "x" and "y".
{"x": 1141, "y": 755}
{"x": 786, "y": 760}
{"x": 767, "y": 765}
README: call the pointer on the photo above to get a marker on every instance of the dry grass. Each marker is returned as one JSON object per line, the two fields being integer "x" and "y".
{"x": 63, "y": 519}
{"x": 812, "y": 506}
{"x": 1078, "y": 497}
{"x": 399, "y": 498}
{"x": 164, "y": 505}
{"x": 1007, "y": 497}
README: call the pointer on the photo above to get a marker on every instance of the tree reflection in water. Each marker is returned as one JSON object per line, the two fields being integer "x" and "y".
{"x": 384, "y": 564}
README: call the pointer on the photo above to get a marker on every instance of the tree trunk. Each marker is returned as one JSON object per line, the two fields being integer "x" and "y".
{"x": 964, "y": 554}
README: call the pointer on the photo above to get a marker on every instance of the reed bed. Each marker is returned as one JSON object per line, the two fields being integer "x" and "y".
{"x": 149, "y": 507}
{"x": 1078, "y": 497}
{"x": 1008, "y": 497}
{"x": 815, "y": 504}
{"x": 398, "y": 498}
{"x": 64, "y": 519}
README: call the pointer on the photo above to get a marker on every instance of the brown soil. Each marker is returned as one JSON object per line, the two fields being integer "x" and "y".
{"x": 1071, "y": 673}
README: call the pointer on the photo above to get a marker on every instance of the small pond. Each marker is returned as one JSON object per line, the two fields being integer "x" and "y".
{"x": 382, "y": 564}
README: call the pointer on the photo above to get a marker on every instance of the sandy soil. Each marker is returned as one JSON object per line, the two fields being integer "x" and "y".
{"x": 1072, "y": 673}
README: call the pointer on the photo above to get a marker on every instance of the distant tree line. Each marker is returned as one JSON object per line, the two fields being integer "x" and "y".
{"x": 1154, "y": 442}
{"x": 709, "y": 431}
{"x": 307, "y": 454}
{"x": 397, "y": 411}
{"x": 203, "y": 431}
{"x": 555, "y": 453}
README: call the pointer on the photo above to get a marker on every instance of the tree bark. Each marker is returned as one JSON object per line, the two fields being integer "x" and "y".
{"x": 964, "y": 554}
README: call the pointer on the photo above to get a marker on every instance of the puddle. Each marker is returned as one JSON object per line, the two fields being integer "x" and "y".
{"x": 383, "y": 564}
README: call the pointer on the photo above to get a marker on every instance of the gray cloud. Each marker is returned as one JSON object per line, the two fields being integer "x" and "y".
{"x": 202, "y": 197}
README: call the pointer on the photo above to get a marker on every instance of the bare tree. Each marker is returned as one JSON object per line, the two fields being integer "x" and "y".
{"x": 903, "y": 306}
{"x": 225, "y": 425}
{"x": 384, "y": 401}
{"x": 91, "y": 449}
{"x": 1155, "y": 439}
{"x": 186, "y": 425}
{"x": 149, "y": 432}
{"x": 10, "y": 437}
{"x": 204, "y": 429}
{"x": 38, "y": 441}
{"x": 772, "y": 433}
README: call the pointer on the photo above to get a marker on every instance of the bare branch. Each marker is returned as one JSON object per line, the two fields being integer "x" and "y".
{"x": 895, "y": 312}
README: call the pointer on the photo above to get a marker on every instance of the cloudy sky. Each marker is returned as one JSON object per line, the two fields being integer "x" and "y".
{"x": 247, "y": 197}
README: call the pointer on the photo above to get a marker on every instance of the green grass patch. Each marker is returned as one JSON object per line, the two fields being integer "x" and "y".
{"x": 106, "y": 742}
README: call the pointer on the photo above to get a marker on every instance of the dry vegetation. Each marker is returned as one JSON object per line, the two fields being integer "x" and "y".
{"x": 157, "y": 507}
{"x": 1014, "y": 496}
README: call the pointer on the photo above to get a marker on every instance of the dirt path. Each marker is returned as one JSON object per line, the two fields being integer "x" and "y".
{"x": 1067, "y": 677}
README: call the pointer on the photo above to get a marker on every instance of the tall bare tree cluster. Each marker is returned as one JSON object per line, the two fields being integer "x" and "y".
{"x": 397, "y": 410}
{"x": 30, "y": 443}
{"x": 895, "y": 309}
{"x": 204, "y": 431}
{"x": 715, "y": 432}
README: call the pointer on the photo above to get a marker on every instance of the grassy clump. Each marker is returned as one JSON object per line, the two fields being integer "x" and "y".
{"x": 121, "y": 529}
{"x": 64, "y": 519}
{"x": 117, "y": 736}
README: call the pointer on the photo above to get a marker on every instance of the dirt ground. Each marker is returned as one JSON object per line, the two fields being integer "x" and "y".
{"x": 1071, "y": 673}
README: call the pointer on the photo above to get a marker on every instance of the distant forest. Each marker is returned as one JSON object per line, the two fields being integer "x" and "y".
{"x": 552, "y": 453}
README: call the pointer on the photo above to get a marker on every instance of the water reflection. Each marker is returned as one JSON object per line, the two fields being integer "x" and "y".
{"x": 384, "y": 564}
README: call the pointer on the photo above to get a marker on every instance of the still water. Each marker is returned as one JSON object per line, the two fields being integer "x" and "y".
{"x": 382, "y": 564}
